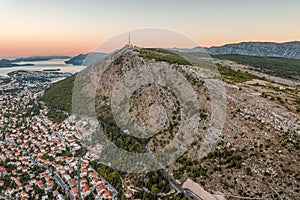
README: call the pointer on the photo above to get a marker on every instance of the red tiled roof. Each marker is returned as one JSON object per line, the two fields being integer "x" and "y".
{"x": 84, "y": 162}
{"x": 74, "y": 190}
{"x": 128, "y": 192}
{"x": 2, "y": 169}
{"x": 107, "y": 194}
{"x": 101, "y": 187}
{"x": 47, "y": 178}
{"x": 92, "y": 174}
{"x": 83, "y": 181}
{"x": 86, "y": 188}
{"x": 72, "y": 181}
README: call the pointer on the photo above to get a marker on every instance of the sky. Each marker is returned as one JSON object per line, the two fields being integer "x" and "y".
{"x": 70, "y": 27}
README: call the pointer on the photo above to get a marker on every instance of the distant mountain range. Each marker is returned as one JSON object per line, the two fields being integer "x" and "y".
{"x": 266, "y": 49}
{"x": 86, "y": 59}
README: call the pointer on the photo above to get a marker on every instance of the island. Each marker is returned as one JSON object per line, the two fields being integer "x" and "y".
{"x": 7, "y": 63}
{"x": 51, "y": 70}
{"x": 38, "y": 58}
{"x": 86, "y": 59}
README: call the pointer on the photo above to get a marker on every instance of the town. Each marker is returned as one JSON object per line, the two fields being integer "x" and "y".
{"x": 41, "y": 159}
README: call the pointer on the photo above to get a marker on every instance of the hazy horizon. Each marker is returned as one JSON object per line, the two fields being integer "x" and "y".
{"x": 72, "y": 27}
{"x": 93, "y": 50}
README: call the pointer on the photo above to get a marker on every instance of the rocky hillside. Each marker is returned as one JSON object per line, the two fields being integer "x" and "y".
{"x": 257, "y": 154}
{"x": 269, "y": 49}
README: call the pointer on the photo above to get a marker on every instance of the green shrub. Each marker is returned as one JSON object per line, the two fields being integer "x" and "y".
{"x": 230, "y": 75}
{"x": 281, "y": 67}
{"x": 163, "y": 55}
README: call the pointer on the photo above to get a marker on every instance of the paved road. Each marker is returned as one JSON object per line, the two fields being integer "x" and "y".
{"x": 3, "y": 196}
{"x": 192, "y": 195}
{"x": 188, "y": 193}
{"x": 78, "y": 178}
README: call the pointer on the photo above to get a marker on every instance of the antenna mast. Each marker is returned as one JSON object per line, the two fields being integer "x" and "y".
{"x": 129, "y": 42}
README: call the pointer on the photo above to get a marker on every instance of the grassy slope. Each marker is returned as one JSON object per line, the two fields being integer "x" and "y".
{"x": 230, "y": 75}
{"x": 164, "y": 55}
{"x": 281, "y": 67}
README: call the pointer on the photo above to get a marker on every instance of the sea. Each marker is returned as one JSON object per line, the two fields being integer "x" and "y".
{"x": 43, "y": 65}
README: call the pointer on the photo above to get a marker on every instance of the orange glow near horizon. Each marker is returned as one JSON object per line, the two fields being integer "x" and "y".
{"x": 32, "y": 47}
{"x": 29, "y": 47}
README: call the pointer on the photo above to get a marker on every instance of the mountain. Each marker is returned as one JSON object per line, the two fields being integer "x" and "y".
{"x": 256, "y": 154}
{"x": 266, "y": 49}
{"x": 86, "y": 59}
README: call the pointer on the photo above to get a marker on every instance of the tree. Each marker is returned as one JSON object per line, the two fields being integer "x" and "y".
{"x": 154, "y": 188}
